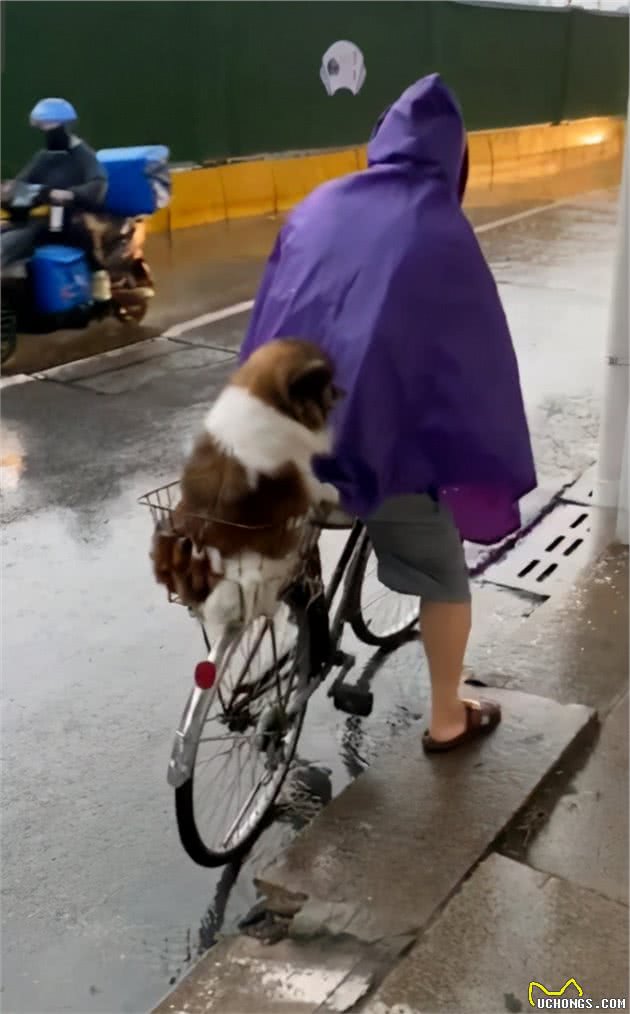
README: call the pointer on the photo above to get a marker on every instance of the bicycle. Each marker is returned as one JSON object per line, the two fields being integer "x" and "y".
{"x": 251, "y": 692}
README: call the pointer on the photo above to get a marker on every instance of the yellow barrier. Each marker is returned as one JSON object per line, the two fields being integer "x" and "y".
{"x": 198, "y": 198}
{"x": 273, "y": 185}
{"x": 248, "y": 188}
{"x": 480, "y": 159}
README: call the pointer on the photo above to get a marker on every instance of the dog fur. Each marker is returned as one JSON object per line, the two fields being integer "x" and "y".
{"x": 248, "y": 485}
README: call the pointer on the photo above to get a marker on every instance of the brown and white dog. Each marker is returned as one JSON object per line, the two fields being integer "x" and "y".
{"x": 248, "y": 485}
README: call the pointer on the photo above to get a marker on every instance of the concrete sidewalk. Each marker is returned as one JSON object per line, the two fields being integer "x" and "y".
{"x": 451, "y": 883}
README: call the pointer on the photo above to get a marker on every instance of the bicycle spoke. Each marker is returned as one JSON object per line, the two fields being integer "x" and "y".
{"x": 252, "y": 653}
{"x": 276, "y": 669}
{"x": 383, "y": 613}
{"x": 377, "y": 598}
{"x": 235, "y": 780}
{"x": 219, "y": 739}
{"x": 213, "y": 757}
{"x": 243, "y": 811}
{"x": 226, "y": 781}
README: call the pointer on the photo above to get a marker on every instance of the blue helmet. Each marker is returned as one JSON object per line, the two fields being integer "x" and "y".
{"x": 49, "y": 113}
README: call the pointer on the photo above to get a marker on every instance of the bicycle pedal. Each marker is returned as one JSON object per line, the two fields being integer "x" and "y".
{"x": 353, "y": 700}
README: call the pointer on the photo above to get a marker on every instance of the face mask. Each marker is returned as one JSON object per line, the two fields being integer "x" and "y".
{"x": 57, "y": 139}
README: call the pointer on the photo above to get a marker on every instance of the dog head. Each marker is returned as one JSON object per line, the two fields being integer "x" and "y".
{"x": 293, "y": 376}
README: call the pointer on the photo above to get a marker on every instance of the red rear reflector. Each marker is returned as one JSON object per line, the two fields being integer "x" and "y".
{"x": 205, "y": 675}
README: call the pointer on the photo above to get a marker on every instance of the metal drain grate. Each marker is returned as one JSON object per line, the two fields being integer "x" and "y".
{"x": 551, "y": 555}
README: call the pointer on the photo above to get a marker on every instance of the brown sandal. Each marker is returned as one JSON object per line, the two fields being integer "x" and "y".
{"x": 481, "y": 719}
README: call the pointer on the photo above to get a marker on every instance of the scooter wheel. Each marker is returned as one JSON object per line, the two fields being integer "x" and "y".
{"x": 8, "y": 334}
{"x": 132, "y": 313}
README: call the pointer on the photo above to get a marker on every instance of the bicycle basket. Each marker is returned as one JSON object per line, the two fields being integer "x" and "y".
{"x": 162, "y": 502}
{"x": 171, "y": 522}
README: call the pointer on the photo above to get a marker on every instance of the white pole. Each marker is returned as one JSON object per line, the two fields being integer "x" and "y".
{"x": 623, "y": 520}
{"x": 613, "y": 433}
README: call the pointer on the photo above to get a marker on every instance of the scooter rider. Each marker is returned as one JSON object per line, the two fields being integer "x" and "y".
{"x": 72, "y": 177}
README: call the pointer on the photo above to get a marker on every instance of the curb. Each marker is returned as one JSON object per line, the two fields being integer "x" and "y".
{"x": 345, "y": 933}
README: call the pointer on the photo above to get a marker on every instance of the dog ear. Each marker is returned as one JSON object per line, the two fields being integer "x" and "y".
{"x": 310, "y": 381}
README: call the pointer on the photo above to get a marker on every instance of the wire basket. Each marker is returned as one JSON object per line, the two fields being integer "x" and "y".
{"x": 163, "y": 502}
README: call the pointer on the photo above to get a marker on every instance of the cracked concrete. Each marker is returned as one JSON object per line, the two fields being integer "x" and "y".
{"x": 507, "y": 926}
{"x": 586, "y": 840}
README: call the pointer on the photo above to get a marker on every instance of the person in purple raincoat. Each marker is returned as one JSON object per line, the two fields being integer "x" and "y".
{"x": 383, "y": 270}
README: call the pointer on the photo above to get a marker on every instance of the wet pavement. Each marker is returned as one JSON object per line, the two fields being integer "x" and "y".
{"x": 338, "y": 874}
{"x": 480, "y": 916}
{"x": 586, "y": 840}
{"x": 102, "y": 910}
{"x": 563, "y": 915}
{"x": 508, "y": 926}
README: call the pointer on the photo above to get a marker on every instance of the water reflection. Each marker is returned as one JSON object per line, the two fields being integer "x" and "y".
{"x": 213, "y": 919}
{"x": 12, "y": 457}
{"x": 354, "y": 746}
{"x": 307, "y": 790}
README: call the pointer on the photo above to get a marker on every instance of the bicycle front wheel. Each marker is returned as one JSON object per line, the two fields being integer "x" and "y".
{"x": 246, "y": 744}
{"x": 380, "y": 617}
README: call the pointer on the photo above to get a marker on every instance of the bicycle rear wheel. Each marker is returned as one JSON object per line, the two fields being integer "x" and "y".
{"x": 246, "y": 744}
{"x": 381, "y": 617}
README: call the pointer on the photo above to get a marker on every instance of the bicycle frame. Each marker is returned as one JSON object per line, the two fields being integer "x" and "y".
{"x": 341, "y": 615}
{"x": 311, "y": 677}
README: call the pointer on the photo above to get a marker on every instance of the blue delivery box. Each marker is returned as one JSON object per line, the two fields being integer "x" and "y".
{"x": 61, "y": 279}
{"x": 139, "y": 181}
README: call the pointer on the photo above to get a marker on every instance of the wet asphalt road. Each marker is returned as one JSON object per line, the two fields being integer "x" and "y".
{"x": 101, "y": 908}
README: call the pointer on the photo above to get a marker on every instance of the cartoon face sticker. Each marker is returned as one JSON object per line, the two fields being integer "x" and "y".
{"x": 343, "y": 67}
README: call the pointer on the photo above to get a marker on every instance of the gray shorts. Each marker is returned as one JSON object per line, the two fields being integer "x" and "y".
{"x": 419, "y": 549}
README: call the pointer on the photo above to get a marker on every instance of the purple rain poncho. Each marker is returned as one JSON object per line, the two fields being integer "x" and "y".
{"x": 383, "y": 271}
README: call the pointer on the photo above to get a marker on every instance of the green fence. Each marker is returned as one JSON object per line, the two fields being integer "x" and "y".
{"x": 215, "y": 80}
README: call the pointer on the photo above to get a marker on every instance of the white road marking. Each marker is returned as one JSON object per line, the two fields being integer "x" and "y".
{"x": 498, "y": 222}
{"x": 137, "y": 352}
{"x": 207, "y": 318}
{"x": 17, "y": 378}
{"x": 232, "y": 311}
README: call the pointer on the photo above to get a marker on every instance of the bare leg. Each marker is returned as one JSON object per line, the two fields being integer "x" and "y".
{"x": 445, "y": 631}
